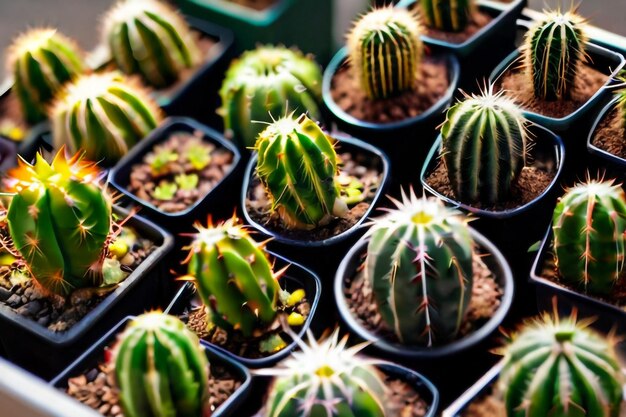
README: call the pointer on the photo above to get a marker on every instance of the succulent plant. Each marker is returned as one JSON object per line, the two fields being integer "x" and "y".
{"x": 560, "y": 367}
{"x": 161, "y": 369}
{"x": 59, "y": 220}
{"x": 554, "y": 48}
{"x": 419, "y": 265}
{"x": 589, "y": 223}
{"x": 150, "y": 38}
{"x": 297, "y": 165}
{"x": 103, "y": 114}
{"x": 484, "y": 142}
{"x": 268, "y": 82}
{"x": 447, "y": 15}
{"x": 385, "y": 51}
{"x": 621, "y": 97}
{"x": 326, "y": 379}
{"x": 41, "y": 61}
{"x": 160, "y": 160}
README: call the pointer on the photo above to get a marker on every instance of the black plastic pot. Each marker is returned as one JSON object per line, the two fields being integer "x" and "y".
{"x": 94, "y": 356}
{"x": 601, "y": 158}
{"x": 481, "y": 387}
{"x": 32, "y": 346}
{"x": 296, "y": 277}
{"x": 8, "y": 154}
{"x": 220, "y": 201}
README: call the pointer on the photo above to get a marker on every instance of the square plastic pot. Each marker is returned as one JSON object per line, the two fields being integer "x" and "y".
{"x": 8, "y": 154}
{"x": 602, "y": 158}
{"x": 481, "y": 387}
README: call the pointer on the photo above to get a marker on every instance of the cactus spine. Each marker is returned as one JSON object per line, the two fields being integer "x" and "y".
{"x": 553, "y": 50}
{"x": 447, "y": 15}
{"x": 41, "y": 61}
{"x": 589, "y": 223}
{"x": 385, "y": 50}
{"x": 103, "y": 114}
{"x": 484, "y": 147}
{"x": 266, "y": 82}
{"x": 297, "y": 165}
{"x": 59, "y": 220}
{"x": 558, "y": 367}
{"x": 150, "y": 38}
{"x": 161, "y": 369}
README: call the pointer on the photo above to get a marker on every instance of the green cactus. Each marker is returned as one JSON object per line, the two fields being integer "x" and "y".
{"x": 160, "y": 369}
{"x": 297, "y": 165}
{"x": 589, "y": 223}
{"x": 41, "y": 61}
{"x": 558, "y": 367}
{"x": 326, "y": 380}
{"x": 233, "y": 276}
{"x": 621, "y": 97}
{"x": 385, "y": 51}
{"x": 419, "y": 264}
{"x": 447, "y": 15}
{"x": 268, "y": 81}
{"x": 150, "y": 38}
{"x": 103, "y": 114}
{"x": 554, "y": 48}
{"x": 59, "y": 220}
{"x": 484, "y": 147}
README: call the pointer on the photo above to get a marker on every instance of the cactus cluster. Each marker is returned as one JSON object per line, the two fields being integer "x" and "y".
{"x": 268, "y": 82}
{"x": 484, "y": 143}
{"x": 447, "y": 15}
{"x": 160, "y": 369}
{"x": 560, "y": 367}
{"x": 589, "y": 223}
{"x": 419, "y": 265}
{"x": 297, "y": 165}
{"x": 385, "y": 51}
{"x": 150, "y": 38}
{"x": 554, "y": 48}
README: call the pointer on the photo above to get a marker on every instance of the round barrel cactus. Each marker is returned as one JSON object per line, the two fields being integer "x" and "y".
{"x": 161, "y": 369}
{"x": 150, "y": 38}
{"x": 297, "y": 164}
{"x": 267, "y": 83}
{"x": 59, "y": 220}
{"x": 419, "y": 264}
{"x": 385, "y": 50}
{"x": 103, "y": 114}
{"x": 484, "y": 143}
{"x": 233, "y": 276}
{"x": 447, "y": 15}
{"x": 589, "y": 223}
{"x": 558, "y": 367}
{"x": 554, "y": 48}
{"x": 41, "y": 61}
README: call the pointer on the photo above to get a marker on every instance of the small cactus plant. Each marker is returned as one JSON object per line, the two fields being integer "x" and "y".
{"x": 484, "y": 144}
{"x": 589, "y": 223}
{"x": 554, "y": 48}
{"x": 560, "y": 367}
{"x": 297, "y": 164}
{"x": 266, "y": 82}
{"x": 160, "y": 369}
{"x": 419, "y": 265}
{"x": 621, "y": 98}
{"x": 150, "y": 38}
{"x": 447, "y": 15}
{"x": 103, "y": 114}
{"x": 41, "y": 61}
{"x": 59, "y": 220}
{"x": 385, "y": 50}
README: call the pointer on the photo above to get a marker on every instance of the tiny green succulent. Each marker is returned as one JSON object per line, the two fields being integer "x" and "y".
{"x": 165, "y": 190}
{"x": 198, "y": 154}
{"x": 186, "y": 182}
{"x": 160, "y": 160}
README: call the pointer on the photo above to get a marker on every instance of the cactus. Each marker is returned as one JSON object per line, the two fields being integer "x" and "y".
{"x": 484, "y": 142}
{"x": 326, "y": 380}
{"x": 560, "y": 367}
{"x": 59, "y": 220}
{"x": 266, "y": 82}
{"x": 233, "y": 276}
{"x": 160, "y": 368}
{"x": 589, "y": 223}
{"x": 150, "y": 38}
{"x": 621, "y": 97}
{"x": 419, "y": 265}
{"x": 297, "y": 165}
{"x": 385, "y": 51}
{"x": 103, "y": 114}
{"x": 553, "y": 51}
{"x": 447, "y": 15}
{"x": 41, "y": 61}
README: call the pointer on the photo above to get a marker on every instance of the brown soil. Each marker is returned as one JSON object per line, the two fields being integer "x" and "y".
{"x": 255, "y": 4}
{"x": 357, "y": 166}
{"x": 610, "y": 134}
{"x": 478, "y": 21}
{"x": 430, "y": 86}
